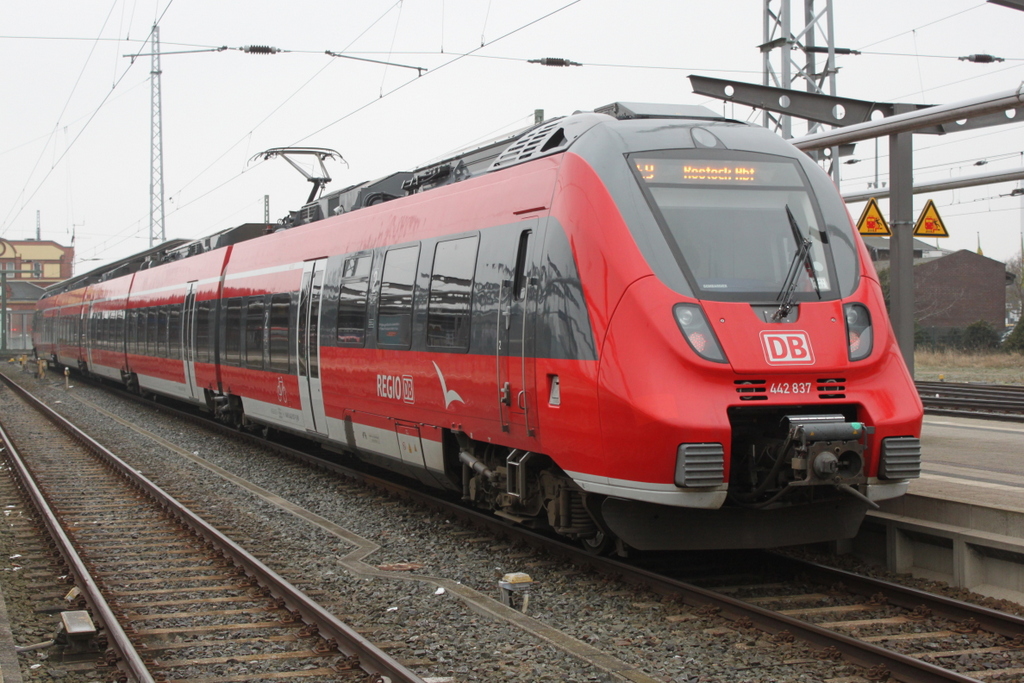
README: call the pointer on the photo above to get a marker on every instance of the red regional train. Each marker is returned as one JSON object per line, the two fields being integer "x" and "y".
{"x": 644, "y": 327}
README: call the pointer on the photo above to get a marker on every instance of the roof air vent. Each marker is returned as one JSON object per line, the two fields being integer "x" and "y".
{"x": 541, "y": 140}
{"x": 643, "y": 110}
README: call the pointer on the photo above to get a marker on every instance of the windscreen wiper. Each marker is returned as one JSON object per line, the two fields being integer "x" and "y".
{"x": 802, "y": 256}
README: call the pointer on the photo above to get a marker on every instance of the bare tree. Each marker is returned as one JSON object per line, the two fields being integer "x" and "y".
{"x": 1015, "y": 290}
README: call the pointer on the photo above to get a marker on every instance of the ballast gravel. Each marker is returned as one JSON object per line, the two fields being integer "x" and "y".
{"x": 429, "y": 629}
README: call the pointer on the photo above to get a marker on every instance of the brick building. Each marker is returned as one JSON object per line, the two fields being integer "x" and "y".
{"x": 29, "y": 267}
{"x": 47, "y": 261}
{"x": 959, "y": 289}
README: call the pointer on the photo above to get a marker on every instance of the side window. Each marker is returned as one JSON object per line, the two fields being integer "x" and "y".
{"x": 174, "y": 331}
{"x": 451, "y": 293}
{"x": 204, "y": 345}
{"x": 280, "y": 332}
{"x": 119, "y": 331}
{"x": 355, "y": 283}
{"x": 151, "y": 331}
{"x": 132, "y": 331}
{"x": 161, "y": 332}
{"x": 232, "y": 331}
{"x": 519, "y": 284}
{"x": 140, "y": 325}
{"x": 254, "y": 333}
{"x": 394, "y": 312}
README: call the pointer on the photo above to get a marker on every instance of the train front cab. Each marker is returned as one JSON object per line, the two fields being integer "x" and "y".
{"x": 743, "y": 402}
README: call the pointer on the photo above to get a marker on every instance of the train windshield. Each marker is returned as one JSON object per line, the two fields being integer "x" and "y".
{"x": 736, "y": 222}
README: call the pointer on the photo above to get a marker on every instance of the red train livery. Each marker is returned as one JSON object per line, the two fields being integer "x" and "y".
{"x": 646, "y": 326}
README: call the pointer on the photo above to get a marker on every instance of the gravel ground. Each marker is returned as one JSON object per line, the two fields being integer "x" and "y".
{"x": 32, "y": 591}
{"x": 431, "y": 629}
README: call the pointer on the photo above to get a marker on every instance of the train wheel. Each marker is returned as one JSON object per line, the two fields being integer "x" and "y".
{"x": 599, "y": 544}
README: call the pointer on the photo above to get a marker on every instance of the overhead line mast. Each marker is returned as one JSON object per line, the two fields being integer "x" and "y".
{"x": 781, "y": 69}
{"x": 156, "y": 151}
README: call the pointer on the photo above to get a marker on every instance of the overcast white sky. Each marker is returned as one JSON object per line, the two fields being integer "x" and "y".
{"x": 74, "y": 123}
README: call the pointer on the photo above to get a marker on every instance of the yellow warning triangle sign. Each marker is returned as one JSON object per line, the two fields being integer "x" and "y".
{"x": 929, "y": 223}
{"x": 872, "y": 222}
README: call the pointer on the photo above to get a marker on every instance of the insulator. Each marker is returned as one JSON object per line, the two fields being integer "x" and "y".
{"x": 261, "y": 49}
{"x": 554, "y": 61}
{"x": 981, "y": 59}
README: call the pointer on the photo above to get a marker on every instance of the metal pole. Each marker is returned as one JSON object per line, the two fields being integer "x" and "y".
{"x": 901, "y": 244}
{"x": 973, "y": 180}
{"x": 786, "y": 66}
{"x": 910, "y": 120}
{"x": 156, "y": 149}
{"x": 3, "y": 310}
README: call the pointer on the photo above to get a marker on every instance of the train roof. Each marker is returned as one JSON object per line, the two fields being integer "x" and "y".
{"x": 129, "y": 264}
{"x": 549, "y": 137}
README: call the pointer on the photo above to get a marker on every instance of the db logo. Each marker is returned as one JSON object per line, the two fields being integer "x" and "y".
{"x": 787, "y": 348}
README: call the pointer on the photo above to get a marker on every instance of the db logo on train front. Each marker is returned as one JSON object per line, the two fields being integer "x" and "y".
{"x": 787, "y": 348}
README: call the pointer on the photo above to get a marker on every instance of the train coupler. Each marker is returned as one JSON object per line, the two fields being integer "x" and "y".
{"x": 826, "y": 449}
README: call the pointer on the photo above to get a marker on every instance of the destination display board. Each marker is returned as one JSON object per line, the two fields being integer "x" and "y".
{"x": 717, "y": 172}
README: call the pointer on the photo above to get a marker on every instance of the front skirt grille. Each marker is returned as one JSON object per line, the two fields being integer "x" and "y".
{"x": 901, "y": 458}
{"x": 700, "y": 464}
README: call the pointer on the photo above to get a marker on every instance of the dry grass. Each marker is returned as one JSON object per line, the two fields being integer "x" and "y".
{"x": 959, "y": 366}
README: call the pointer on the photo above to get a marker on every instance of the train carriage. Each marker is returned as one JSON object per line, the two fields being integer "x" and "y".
{"x": 646, "y": 327}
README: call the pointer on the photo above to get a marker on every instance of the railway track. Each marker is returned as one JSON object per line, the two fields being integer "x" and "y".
{"x": 992, "y": 401}
{"x": 158, "y": 579}
{"x": 965, "y": 642}
{"x": 882, "y": 628}
{"x": 888, "y": 629}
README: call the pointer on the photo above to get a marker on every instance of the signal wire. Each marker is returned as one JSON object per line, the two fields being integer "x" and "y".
{"x": 7, "y": 223}
{"x": 56, "y": 125}
{"x": 242, "y": 139}
{"x": 358, "y": 109}
{"x": 930, "y": 23}
{"x": 434, "y": 71}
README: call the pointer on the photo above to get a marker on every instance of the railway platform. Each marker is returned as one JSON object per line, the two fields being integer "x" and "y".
{"x": 963, "y": 521}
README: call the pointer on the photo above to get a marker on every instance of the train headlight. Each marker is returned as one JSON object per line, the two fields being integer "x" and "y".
{"x": 698, "y": 333}
{"x": 858, "y": 330}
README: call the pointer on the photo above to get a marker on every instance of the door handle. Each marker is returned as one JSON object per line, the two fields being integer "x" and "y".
{"x": 521, "y": 400}
{"x": 506, "y": 394}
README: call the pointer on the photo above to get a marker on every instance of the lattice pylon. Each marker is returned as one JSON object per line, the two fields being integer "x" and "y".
{"x": 156, "y": 145}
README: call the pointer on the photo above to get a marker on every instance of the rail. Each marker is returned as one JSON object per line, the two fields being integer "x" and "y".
{"x": 902, "y": 667}
{"x": 865, "y": 654}
{"x": 100, "y": 608}
{"x": 371, "y": 659}
{"x": 988, "y": 401}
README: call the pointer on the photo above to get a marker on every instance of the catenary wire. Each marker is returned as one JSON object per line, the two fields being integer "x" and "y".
{"x": 133, "y": 225}
{"x": 7, "y": 224}
{"x": 56, "y": 125}
{"x": 925, "y": 25}
{"x": 456, "y": 58}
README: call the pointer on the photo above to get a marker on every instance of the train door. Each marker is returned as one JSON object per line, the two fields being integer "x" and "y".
{"x": 81, "y": 333}
{"x": 89, "y": 336}
{"x": 516, "y": 381}
{"x": 188, "y": 341}
{"x": 310, "y": 389}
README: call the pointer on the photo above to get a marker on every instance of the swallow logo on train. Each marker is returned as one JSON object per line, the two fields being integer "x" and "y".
{"x": 450, "y": 395}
